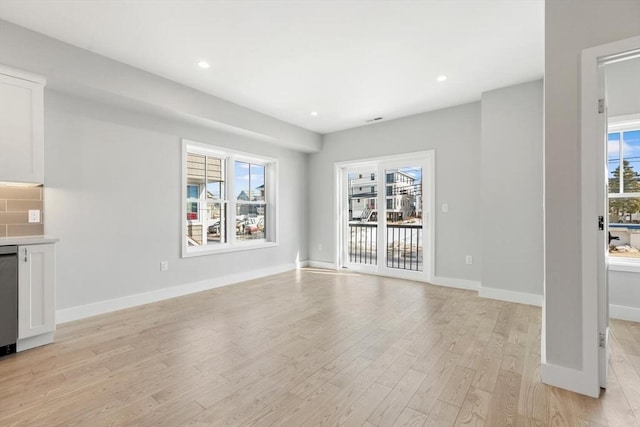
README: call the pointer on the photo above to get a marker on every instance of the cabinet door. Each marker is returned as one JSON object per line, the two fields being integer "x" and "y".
{"x": 36, "y": 290}
{"x": 21, "y": 130}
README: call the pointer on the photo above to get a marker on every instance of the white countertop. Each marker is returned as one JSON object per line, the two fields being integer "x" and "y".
{"x": 27, "y": 240}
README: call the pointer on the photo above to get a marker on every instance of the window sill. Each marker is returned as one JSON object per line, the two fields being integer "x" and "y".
{"x": 238, "y": 247}
{"x": 629, "y": 265}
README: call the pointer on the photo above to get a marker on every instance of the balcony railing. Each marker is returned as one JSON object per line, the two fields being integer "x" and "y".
{"x": 404, "y": 245}
{"x": 362, "y": 243}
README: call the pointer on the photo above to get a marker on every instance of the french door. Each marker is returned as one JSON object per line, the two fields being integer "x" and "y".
{"x": 385, "y": 221}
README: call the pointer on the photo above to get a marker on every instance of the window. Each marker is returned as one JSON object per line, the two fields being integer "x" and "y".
{"x": 623, "y": 158}
{"x": 229, "y": 200}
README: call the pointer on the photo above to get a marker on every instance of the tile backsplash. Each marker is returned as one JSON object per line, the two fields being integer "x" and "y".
{"x": 15, "y": 203}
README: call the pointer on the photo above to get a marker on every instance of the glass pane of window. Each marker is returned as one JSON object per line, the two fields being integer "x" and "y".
{"x": 624, "y": 227}
{"x": 624, "y": 210}
{"x": 363, "y": 217}
{"x": 195, "y": 170}
{"x": 613, "y": 161}
{"x": 215, "y": 178}
{"x": 216, "y": 222}
{"x": 631, "y": 161}
{"x": 241, "y": 181}
{"x": 250, "y": 221}
{"x": 194, "y": 225}
{"x": 256, "y": 182}
{"x": 404, "y": 219}
{"x": 249, "y": 182}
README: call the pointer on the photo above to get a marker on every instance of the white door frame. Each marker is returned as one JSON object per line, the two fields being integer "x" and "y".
{"x": 593, "y": 201}
{"x": 427, "y": 160}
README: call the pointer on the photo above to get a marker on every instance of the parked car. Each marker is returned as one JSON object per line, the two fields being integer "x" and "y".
{"x": 254, "y": 225}
{"x": 214, "y": 228}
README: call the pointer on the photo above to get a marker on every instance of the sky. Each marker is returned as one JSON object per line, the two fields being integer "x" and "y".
{"x": 630, "y": 150}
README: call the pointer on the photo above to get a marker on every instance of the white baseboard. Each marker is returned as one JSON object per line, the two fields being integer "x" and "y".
{"x": 622, "y": 312}
{"x": 452, "y": 282}
{"x": 102, "y": 307}
{"x": 321, "y": 264}
{"x": 511, "y": 296}
{"x": 32, "y": 342}
{"x": 570, "y": 379}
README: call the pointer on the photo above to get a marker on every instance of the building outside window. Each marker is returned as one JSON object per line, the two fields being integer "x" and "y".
{"x": 402, "y": 191}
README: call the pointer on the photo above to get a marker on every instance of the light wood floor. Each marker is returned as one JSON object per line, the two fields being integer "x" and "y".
{"x": 306, "y": 348}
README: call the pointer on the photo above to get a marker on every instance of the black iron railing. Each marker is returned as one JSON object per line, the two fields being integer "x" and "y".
{"x": 362, "y": 243}
{"x": 404, "y": 245}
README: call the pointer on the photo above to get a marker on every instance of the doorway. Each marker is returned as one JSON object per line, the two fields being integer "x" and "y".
{"x": 595, "y": 193}
{"x": 384, "y": 215}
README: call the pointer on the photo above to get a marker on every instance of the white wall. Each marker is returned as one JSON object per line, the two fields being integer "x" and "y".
{"x": 454, "y": 133}
{"x": 624, "y": 295}
{"x": 113, "y": 174}
{"x": 570, "y": 26}
{"x": 511, "y": 188}
{"x": 113, "y": 197}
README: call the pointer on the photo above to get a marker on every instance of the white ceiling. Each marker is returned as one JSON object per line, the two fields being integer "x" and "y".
{"x": 348, "y": 60}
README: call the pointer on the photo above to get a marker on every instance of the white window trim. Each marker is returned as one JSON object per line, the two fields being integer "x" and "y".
{"x": 631, "y": 265}
{"x": 271, "y": 200}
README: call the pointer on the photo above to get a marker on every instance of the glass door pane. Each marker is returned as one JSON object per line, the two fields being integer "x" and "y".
{"x": 403, "y": 218}
{"x": 361, "y": 230}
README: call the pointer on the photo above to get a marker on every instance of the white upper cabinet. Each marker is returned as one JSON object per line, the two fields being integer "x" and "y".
{"x": 21, "y": 126}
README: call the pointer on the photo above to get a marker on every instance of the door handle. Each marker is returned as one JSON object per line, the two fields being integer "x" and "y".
{"x": 25, "y": 255}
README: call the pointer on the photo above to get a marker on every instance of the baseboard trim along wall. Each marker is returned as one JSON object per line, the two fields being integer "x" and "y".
{"x": 452, "y": 282}
{"x": 622, "y": 312}
{"x": 322, "y": 264}
{"x": 569, "y": 379}
{"x": 103, "y": 307}
{"x": 510, "y": 296}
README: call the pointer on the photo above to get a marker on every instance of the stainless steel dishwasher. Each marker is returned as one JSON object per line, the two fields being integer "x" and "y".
{"x": 8, "y": 299}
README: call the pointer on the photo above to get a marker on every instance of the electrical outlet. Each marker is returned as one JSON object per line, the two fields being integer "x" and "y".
{"x": 469, "y": 259}
{"x": 445, "y": 207}
{"x": 34, "y": 215}
{"x": 319, "y": 247}
{"x": 164, "y": 265}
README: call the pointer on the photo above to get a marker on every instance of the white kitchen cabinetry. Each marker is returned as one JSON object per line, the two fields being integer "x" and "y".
{"x": 21, "y": 126}
{"x": 36, "y": 295}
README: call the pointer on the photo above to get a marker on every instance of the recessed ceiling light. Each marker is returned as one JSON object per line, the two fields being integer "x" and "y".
{"x": 441, "y": 78}
{"x": 314, "y": 113}
{"x": 204, "y": 65}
